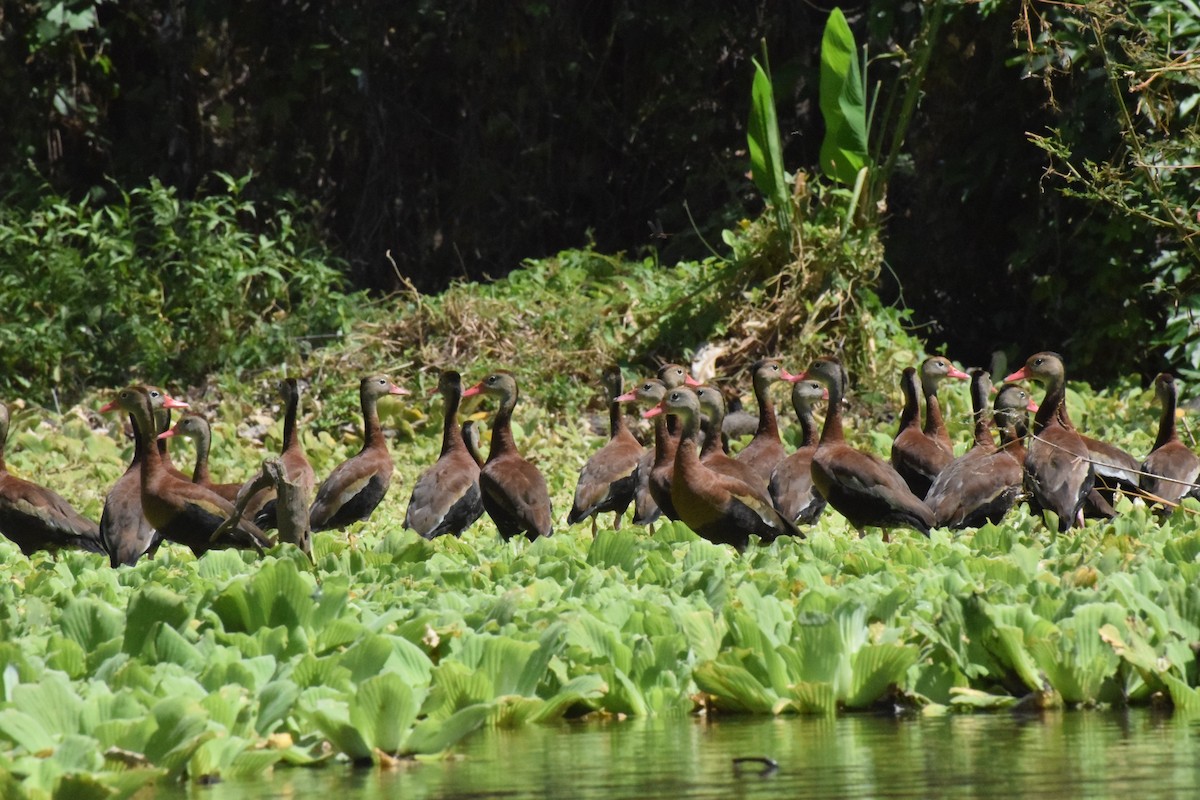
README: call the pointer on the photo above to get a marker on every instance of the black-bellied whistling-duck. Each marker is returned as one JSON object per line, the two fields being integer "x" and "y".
{"x": 609, "y": 478}
{"x": 446, "y": 498}
{"x": 1058, "y": 472}
{"x": 765, "y": 450}
{"x": 860, "y": 486}
{"x": 196, "y": 428}
{"x": 514, "y": 491}
{"x": 470, "y": 437}
{"x": 791, "y": 485}
{"x": 712, "y": 452}
{"x": 919, "y": 454}
{"x": 738, "y": 421}
{"x": 1172, "y": 469}
{"x": 718, "y": 507}
{"x": 1116, "y": 471}
{"x": 124, "y": 529}
{"x": 1010, "y": 413}
{"x": 646, "y": 509}
{"x": 356, "y": 486}
{"x": 182, "y": 511}
{"x": 982, "y": 484}
{"x": 292, "y": 460}
{"x": 673, "y": 375}
{"x": 36, "y": 518}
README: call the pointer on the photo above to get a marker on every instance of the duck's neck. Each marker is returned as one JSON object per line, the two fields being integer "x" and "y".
{"x": 808, "y": 426}
{"x": 502, "y": 437}
{"x": 451, "y": 434}
{"x": 152, "y": 457}
{"x": 139, "y": 444}
{"x": 831, "y": 433}
{"x": 910, "y": 416}
{"x": 1166, "y": 422}
{"x": 983, "y": 416}
{"x": 768, "y": 424}
{"x": 617, "y": 425}
{"x": 712, "y": 438}
{"x": 203, "y": 441}
{"x": 666, "y": 441}
{"x": 1012, "y": 441}
{"x": 660, "y": 437}
{"x": 1053, "y": 408}
{"x": 934, "y": 424}
{"x": 291, "y": 436}
{"x": 687, "y": 452}
{"x": 163, "y": 424}
{"x": 372, "y": 431}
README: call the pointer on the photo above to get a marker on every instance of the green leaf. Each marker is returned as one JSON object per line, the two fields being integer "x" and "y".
{"x": 1186, "y": 699}
{"x": 813, "y": 698}
{"x": 332, "y": 718}
{"x": 53, "y": 702}
{"x": 734, "y": 688}
{"x": 25, "y": 730}
{"x": 766, "y": 152}
{"x": 90, "y": 623}
{"x": 150, "y": 606}
{"x": 383, "y": 709}
{"x": 435, "y": 736}
{"x": 843, "y": 103}
{"x": 876, "y": 668}
{"x": 275, "y": 702}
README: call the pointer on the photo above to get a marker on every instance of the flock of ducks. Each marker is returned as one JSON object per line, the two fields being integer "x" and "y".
{"x": 686, "y": 475}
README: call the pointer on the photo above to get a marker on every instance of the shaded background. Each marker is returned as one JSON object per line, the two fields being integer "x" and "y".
{"x": 462, "y": 137}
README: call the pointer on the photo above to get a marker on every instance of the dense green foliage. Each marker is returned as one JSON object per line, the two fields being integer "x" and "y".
{"x": 573, "y": 125}
{"x": 389, "y": 646}
{"x": 158, "y": 287}
{"x": 461, "y": 136}
{"x": 1047, "y": 197}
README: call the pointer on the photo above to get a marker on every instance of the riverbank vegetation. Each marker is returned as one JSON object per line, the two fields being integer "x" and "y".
{"x": 388, "y": 646}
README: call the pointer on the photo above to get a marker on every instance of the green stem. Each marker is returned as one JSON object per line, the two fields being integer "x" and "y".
{"x": 1135, "y": 145}
{"x": 912, "y": 94}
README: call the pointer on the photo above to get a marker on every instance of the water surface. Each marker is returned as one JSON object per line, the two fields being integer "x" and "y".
{"x": 1130, "y": 755}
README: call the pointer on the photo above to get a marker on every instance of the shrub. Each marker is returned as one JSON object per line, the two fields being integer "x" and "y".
{"x": 153, "y": 286}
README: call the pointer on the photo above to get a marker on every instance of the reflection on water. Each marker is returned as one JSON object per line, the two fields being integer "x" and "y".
{"x": 1079, "y": 755}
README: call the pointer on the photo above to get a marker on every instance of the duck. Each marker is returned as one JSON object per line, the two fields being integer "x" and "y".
{"x": 765, "y": 450}
{"x": 446, "y": 499}
{"x": 860, "y": 486}
{"x": 37, "y": 518}
{"x": 717, "y": 507}
{"x": 293, "y": 461}
{"x": 609, "y": 477}
{"x": 514, "y": 491}
{"x": 356, "y": 487}
{"x": 984, "y": 483}
{"x": 1171, "y": 470}
{"x": 124, "y": 529}
{"x": 712, "y": 451}
{"x": 671, "y": 376}
{"x": 1010, "y": 414}
{"x": 195, "y": 427}
{"x": 791, "y": 484}
{"x": 1058, "y": 469}
{"x": 1116, "y": 471}
{"x": 182, "y": 511}
{"x": 919, "y": 453}
{"x": 646, "y": 508}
